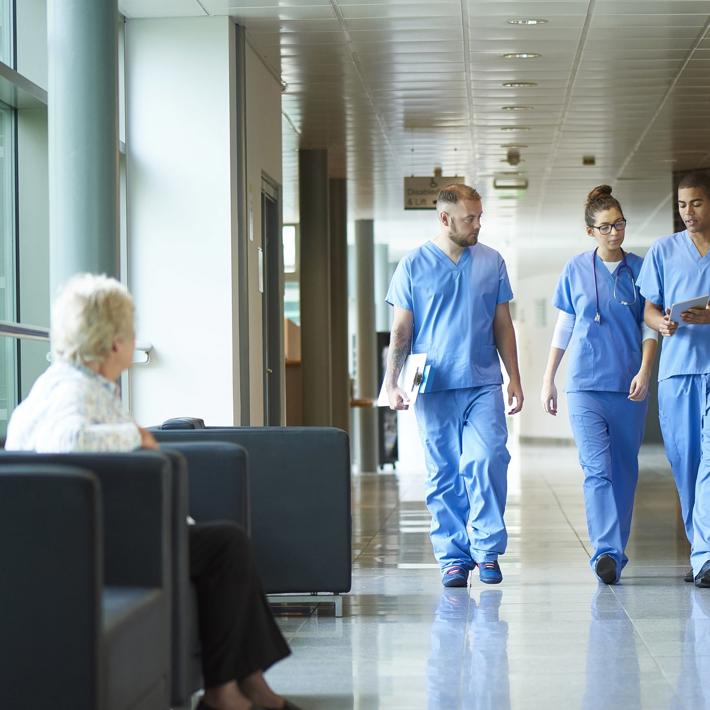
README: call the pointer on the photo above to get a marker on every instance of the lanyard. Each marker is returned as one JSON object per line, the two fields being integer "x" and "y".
{"x": 623, "y": 265}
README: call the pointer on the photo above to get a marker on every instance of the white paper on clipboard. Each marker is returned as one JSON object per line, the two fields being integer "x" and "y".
{"x": 411, "y": 378}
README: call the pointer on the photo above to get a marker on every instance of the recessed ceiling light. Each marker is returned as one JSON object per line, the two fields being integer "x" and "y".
{"x": 515, "y": 128}
{"x": 519, "y": 84}
{"x": 527, "y": 21}
{"x": 517, "y": 108}
{"x": 521, "y": 55}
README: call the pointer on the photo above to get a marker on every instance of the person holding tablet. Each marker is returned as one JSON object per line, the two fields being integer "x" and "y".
{"x": 612, "y": 353}
{"x": 677, "y": 269}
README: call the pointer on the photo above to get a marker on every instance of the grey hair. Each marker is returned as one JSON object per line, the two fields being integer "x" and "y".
{"x": 88, "y": 315}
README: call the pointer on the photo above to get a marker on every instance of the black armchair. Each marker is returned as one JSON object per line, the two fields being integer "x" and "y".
{"x": 299, "y": 501}
{"x": 85, "y": 600}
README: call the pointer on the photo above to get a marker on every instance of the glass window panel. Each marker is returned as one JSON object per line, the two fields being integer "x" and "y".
{"x": 6, "y": 32}
{"x": 292, "y": 302}
{"x": 8, "y": 346}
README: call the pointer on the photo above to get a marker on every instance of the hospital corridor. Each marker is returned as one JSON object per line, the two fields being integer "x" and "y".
{"x": 355, "y": 354}
{"x": 550, "y": 636}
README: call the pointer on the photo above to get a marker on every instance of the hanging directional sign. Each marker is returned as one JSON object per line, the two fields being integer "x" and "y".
{"x": 420, "y": 193}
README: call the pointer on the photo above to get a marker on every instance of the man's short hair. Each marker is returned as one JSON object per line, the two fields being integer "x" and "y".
{"x": 698, "y": 178}
{"x": 451, "y": 194}
{"x": 88, "y": 315}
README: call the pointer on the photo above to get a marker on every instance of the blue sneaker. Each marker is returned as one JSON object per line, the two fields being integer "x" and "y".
{"x": 489, "y": 572}
{"x": 455, "y": 576}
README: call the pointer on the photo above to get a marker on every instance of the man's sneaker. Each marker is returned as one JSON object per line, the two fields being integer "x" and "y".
{"x": 455, "y": 576}
{"x": 489, "y": 572}
{"x": 702, "y": 578}
{"x": 606, "y": 569}
{"x": 689, "y": 576}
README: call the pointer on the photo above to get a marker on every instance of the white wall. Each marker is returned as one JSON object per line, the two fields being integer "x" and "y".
{"x": 181, "y": 268}
{"x": 263, "y": 155}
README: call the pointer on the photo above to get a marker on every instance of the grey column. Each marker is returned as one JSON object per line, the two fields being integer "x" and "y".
{"x": 339, "y": 302}
{"x": 83, "y": 137}
{"x": 316, "y": 335}
{"x": 366, "y": 380}
{"x": 383, "y": 274}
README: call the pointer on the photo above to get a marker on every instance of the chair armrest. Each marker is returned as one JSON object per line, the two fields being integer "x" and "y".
{"x": 50, "y": 597}
{"x": 135, "y": 505}
{"x": 218, "y": 482}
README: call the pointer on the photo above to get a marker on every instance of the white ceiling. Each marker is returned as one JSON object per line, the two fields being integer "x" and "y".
{"x": 395, "y": 88}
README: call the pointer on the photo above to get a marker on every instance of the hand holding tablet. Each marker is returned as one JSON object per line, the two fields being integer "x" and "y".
{"x": 682, "y": 306}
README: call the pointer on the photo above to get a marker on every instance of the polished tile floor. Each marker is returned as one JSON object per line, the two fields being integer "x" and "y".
{"x": 549, "y": 636}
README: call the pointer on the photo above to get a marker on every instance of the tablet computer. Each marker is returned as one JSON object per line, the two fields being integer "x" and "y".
{"x": 678, "y": 308}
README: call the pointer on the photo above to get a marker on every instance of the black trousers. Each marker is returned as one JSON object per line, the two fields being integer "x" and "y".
{"x": 238, "y": 633}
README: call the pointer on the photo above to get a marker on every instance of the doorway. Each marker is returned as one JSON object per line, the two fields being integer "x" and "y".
{"x": 271, "y": 270}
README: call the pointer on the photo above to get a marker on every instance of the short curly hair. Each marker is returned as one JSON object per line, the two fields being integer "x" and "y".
{"x": 88, "y": 315}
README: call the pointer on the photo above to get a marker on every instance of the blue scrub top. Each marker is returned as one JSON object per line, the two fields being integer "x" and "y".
{"x": 674, "y": 271}
{"x": 453, "y": 307}
{"x": 604, "y": 356}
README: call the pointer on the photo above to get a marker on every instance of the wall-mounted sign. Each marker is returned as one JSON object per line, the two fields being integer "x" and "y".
{"x": 420, "y": 193}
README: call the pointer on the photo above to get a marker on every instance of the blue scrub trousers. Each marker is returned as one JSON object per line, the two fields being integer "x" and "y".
{"x": 684, "y": 408}
{"x": 464, "y": 435}
{"x": 608, "y": 429}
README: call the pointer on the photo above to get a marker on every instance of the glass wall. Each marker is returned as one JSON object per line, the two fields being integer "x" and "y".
{"x": 8, "y": 348}
{"x": 6, "y": 32}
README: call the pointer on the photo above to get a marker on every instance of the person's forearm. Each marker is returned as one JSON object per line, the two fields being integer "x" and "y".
{"x": 400, "y": 340}
{"x": 508, "y": 349}
{"x": 653, "y": 315}
{"x": 648, "y": 355}
{"x": 553, "y": 362}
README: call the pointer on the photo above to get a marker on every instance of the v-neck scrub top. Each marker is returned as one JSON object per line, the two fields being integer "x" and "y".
{"x": 674, "y": 271}
{"x": 453, "y": 307}
{"x": 604, "y": 356}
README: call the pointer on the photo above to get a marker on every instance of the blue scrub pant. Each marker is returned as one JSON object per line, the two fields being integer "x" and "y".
{"x": 608, "y": 429}
{"x": 464, "y": 433}
{"x": 684, "y": 408}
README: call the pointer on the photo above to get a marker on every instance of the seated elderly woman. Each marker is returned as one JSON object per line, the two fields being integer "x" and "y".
{"x": 75, "y": 406}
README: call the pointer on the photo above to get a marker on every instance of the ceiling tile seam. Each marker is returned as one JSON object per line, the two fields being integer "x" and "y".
{"x": 469, "y": 88}
{"x": 202, "y": 7}
{"x": 698, "y": 41}
{"x": 559, "y": 128}
{"x": 272, "y": 70}
{"x": 291, "y": 123}
{"x": 358, "y": 70}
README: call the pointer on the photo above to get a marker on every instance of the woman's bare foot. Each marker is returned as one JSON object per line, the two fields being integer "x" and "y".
{"x": 226, "y": 697}
{"x": 257, "y": 690}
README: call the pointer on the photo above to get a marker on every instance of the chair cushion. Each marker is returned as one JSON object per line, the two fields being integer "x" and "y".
{"x": 134, "y": 639}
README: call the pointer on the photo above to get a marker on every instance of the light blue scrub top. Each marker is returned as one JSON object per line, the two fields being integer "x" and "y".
{"x": 453, "y": 307}
{"x": 674, "y": 271}
{"x": 605, "y": 356}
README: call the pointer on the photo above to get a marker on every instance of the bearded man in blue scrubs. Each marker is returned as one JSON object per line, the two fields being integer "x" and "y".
{"x": 450, "y": 299}
{"x": 676, "y": 269}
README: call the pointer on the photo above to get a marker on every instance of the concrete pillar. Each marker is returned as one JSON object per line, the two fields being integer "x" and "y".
{"x": 339, "y": 302}
{"x": 83, "y": 137}
{"x": 316, "y": 332}
{"x": 383, "y": 274}
{"x": 366, "y": 381}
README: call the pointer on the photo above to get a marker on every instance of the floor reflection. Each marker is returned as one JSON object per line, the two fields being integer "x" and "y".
{"x": 468, "y": 663}
{"x": 612, "y": 657}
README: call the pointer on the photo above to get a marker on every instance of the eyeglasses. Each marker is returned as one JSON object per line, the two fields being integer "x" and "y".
{"x": 606, "y": 228}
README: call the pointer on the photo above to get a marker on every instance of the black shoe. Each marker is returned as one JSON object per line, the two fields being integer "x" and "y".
{"x": 702, "y": 578}
{"x": 689, "y": 576}
{"x": 606, "y": 569}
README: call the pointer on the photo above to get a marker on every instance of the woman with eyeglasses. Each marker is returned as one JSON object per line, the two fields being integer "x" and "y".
{"x": 611, "y": 356}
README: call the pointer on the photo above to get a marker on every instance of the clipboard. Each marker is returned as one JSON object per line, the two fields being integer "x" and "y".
{"x": 412, "y": 379}
{"x": 678, "y": 308}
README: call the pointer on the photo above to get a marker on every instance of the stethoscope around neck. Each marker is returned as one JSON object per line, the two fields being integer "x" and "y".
{"x": 624, "y": 265}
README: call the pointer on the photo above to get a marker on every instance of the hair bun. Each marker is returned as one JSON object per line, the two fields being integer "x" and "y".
{"x": 598, "y": 192}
